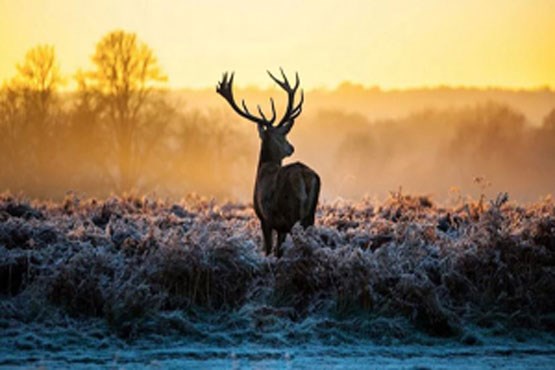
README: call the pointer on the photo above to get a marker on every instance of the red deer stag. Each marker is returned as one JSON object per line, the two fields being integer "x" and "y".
{"x": 283, "y": 195}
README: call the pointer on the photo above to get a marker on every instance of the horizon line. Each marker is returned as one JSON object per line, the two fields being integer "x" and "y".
{"x": 348, "y": 84}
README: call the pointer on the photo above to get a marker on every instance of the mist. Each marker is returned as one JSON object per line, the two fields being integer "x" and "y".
{"x": 441, "y": 142}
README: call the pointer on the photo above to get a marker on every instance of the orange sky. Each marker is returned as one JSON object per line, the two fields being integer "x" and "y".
{"x": 394, "y": 43}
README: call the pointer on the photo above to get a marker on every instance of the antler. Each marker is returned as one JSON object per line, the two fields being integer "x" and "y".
{"x": 224, "y": 88}
{"x": 291, "y": 111}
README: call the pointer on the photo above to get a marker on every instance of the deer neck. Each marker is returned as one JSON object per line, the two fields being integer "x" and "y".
{"x": 264, "y": 187}
{"x": 268, "y": 166}
{"x": 268, "y": 157}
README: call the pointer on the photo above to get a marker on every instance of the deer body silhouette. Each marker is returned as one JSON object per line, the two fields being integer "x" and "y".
{"x": 283, "y": 195}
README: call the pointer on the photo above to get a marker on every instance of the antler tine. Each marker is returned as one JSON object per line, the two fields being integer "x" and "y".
{"x": 298, "y": 109}
{"x": 219, "y": 84}
{"x": 276, "y": 80}
{"x": 224, "y": 86}
{"x": 245, "y": 106}
{"x": 285, "y": 80}
{"x": 273, "y": 105}
{"x": 297, "y": 81}
{"x": 260, "y": 112}
{"x": 271, "y": 120}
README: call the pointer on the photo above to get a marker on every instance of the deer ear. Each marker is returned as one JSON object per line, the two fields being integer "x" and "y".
{"x": 284, "y": 130}
{"x": 261, "y": 130}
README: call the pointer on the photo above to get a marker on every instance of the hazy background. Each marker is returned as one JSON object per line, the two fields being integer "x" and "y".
{"x": 466, "y": 94}
{"x": 363, "y": 142}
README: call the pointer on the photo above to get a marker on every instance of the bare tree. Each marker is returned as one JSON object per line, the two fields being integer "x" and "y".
{"x": 38, "y": 79}
{"x": 124, "y": 79}
{"x": 28, "y": 106}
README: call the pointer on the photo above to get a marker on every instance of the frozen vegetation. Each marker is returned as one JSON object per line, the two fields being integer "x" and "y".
{"x": 403, "y": 272}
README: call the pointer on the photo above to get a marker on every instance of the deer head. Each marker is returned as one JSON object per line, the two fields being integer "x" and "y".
{"x": 275, "y": 145}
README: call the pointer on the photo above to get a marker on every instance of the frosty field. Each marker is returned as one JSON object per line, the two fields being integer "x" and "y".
{"x": 405, "y": 283}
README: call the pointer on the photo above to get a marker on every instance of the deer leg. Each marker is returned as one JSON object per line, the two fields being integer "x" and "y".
{"x": 307, "y": 221}
{"x": 313, "y": 199}
{"x": 267, "y": 234}
{"x": 280, "y": 240}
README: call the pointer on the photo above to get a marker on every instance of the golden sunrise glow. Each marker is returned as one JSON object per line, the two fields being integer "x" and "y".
{"x": 393, "y": 44}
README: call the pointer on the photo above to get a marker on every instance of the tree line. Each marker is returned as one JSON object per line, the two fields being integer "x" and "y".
{"x": 103, "y": 137}
{"x": 122, "y": 130}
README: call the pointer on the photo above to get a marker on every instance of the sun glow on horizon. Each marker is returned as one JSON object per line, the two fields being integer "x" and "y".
{"x": 394, "y": 44}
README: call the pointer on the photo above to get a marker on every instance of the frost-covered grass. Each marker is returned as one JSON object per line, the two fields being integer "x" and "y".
{"x": 366, "y": 270}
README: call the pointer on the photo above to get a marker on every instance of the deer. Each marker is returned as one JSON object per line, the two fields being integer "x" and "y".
{"x": 283, "y": 195}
